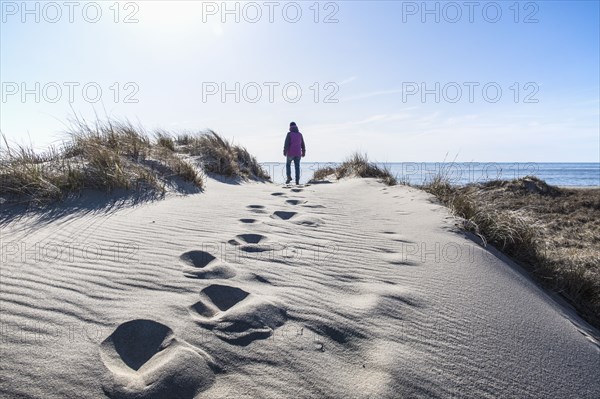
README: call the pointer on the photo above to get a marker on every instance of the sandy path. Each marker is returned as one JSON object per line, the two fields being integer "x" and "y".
{"x": 349, "y": 290}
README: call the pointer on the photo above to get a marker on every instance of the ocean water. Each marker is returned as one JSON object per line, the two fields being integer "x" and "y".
{"x": 559, "y": 174}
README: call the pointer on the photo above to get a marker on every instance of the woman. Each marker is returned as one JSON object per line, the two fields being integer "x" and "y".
{"x": 293, "y": 149}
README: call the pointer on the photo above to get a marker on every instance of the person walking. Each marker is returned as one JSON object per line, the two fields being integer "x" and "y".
{"x": 293, "y": 149}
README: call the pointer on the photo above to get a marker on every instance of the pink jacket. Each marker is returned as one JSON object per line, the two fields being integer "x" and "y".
{"x": 294, "y": 143}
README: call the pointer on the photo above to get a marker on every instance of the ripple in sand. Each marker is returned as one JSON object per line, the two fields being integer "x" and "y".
{"x": 260, "y": 279}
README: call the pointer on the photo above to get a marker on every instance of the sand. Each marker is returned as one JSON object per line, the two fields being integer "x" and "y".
{"x": 343, "y": 290}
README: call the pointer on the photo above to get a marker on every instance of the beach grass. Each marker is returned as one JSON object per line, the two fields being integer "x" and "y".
{"x": 110, "y": 155}
{"x": 323, "y": 172}
{"x": 552, "y": 232}
{"x": 220, "y": 156}
{"x": 357, "y": 165}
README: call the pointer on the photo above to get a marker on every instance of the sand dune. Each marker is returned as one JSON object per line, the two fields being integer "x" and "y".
{"x": 346, "y": 290}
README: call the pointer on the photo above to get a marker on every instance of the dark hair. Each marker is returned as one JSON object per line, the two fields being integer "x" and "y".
{"x": 292, "y": 123}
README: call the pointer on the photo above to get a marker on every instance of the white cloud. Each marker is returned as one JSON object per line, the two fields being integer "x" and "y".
{"x": 347, "y": 80}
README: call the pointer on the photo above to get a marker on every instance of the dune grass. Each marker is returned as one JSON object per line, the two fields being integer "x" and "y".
{"x": 165, "y": 140}
{"x": 114, "y": 155}
{"x": 220, "y": 156}
{"x": 357, "y": 165}
{"x": 552, "y": 232}
{"x": 323, "y": 172}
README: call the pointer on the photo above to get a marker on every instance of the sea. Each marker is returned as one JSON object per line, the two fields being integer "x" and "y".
{"x": 461, "y": 173}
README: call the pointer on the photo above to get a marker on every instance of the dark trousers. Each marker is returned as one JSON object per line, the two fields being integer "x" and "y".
{"x": 288, "y": 168}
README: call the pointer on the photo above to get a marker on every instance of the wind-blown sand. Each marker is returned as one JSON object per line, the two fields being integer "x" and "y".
{"x": 348, "y": 290}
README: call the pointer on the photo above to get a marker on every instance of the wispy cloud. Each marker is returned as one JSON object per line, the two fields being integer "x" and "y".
{"x": 347, "y": 80}
{"x": 378, "y": 119}
{"x": 370, "y": 94}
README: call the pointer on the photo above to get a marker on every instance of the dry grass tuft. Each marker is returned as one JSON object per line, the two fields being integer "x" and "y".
{"x": 323, "y": 172}
{"x": 357, "y": 165}
{"x": 105, "y": 157}
{"x": 220, "y": 156}
{"x": 117, "y": 155}
{"x": 164, "y": 139}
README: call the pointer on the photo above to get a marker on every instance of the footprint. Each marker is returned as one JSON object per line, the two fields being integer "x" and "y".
{"x": 197, "y": 258}
{"x": 237, "y": 316}
{"x": 248, "y": 220}
{"x": 253, "y": 243}
{"x": 200, "y": 264}
{"x": 146, "y": 360}
{"x": 296, "y": 190}
{"x": 295, "y": 202}
{"x": 309, "y": 221}
{"x": 283, "y": 215}
{"x": 277, "y": 194}
{"x": 223, "y": 297}
{"x": 255, "y": 248}
{"x": 257, "y": 208}
{"x": 251, "y": 238}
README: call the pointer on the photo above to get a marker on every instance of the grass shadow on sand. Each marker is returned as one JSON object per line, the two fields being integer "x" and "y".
{"x": 88, "y": 202}
{"x": 234, "y": 180}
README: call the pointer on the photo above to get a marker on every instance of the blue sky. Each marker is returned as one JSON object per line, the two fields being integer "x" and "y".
{"x": 374, "y": 62}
